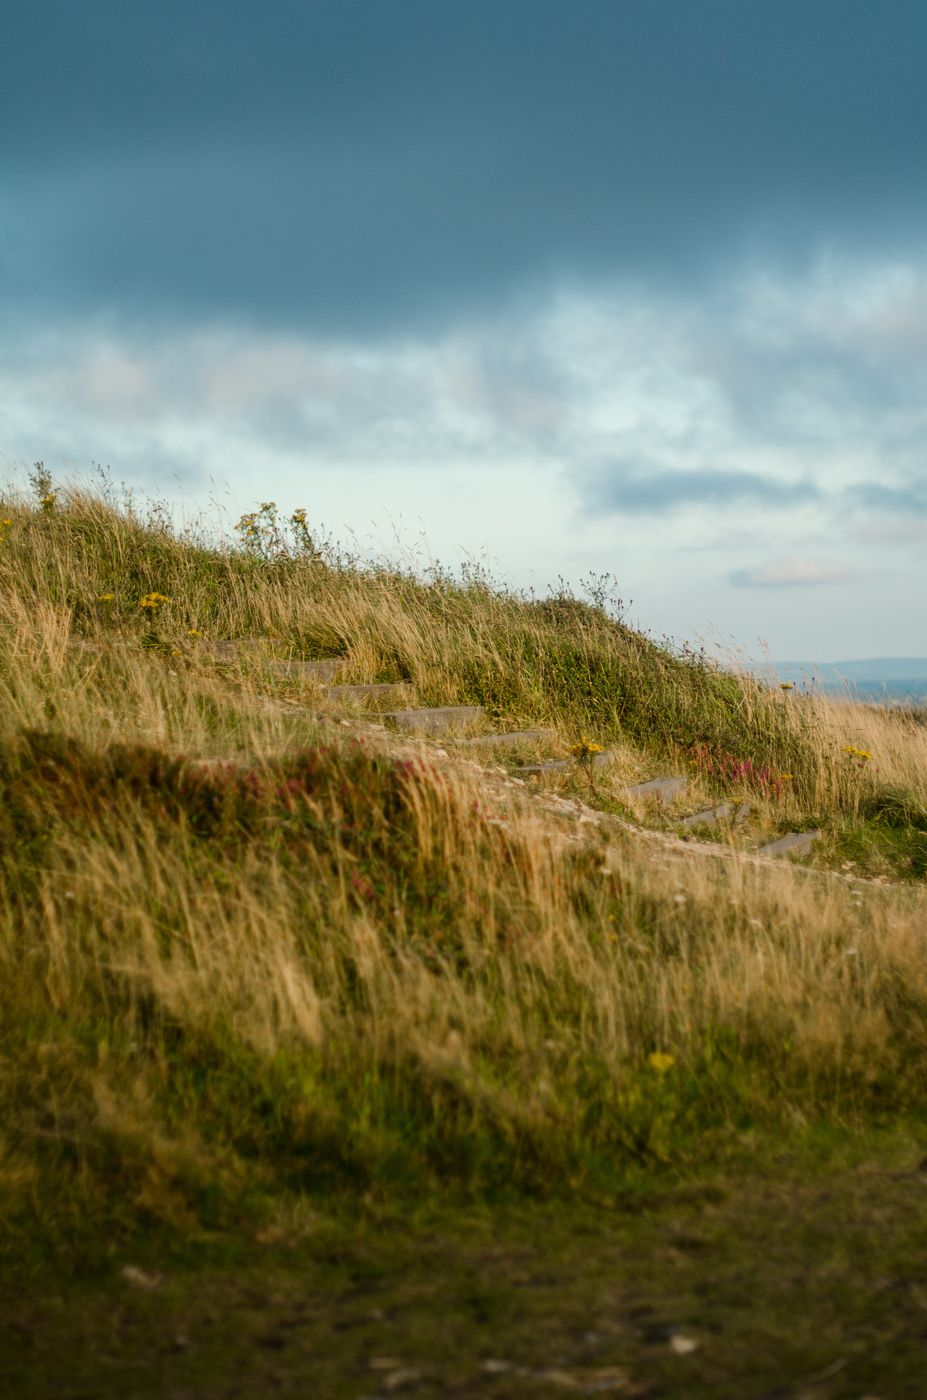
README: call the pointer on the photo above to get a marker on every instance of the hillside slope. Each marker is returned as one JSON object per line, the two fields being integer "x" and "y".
{"x": 257, "y": 946}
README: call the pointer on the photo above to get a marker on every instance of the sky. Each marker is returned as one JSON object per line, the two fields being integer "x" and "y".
{"x": 566, "y": 287}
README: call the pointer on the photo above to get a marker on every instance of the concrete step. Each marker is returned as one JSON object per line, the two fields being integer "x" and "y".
{"x": 353, "y": 693}
{"x": 665, "y": 790}
{"x": 325, "y": 669}
{"x": 509, "y": 739}
{"x": 441, "y": 719}
{"x": 561, "y": 765}
{"x": 231, "y": 649}
{"x": 228, "y": 648}
{"x": 737, "y": 812}
{"x": 795, "y": 843}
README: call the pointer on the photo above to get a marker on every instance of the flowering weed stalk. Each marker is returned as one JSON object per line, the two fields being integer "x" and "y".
{"x": 265, "y": 536}
{"x": 40, "y": 479}
{"x": 584, "y": 752}
{"x": 151, "y": 605}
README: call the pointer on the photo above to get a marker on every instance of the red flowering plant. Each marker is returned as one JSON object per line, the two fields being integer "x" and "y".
{"x": 732, "y": 771}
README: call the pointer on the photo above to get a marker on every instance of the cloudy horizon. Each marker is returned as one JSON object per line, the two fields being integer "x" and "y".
{"x": 613, "y": 286}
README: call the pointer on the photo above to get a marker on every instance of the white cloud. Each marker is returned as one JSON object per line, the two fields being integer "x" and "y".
{"x": 791, "y": 573}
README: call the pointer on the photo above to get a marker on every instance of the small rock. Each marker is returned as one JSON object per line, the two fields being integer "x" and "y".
{"x": 556, "y": 1377}
{"x": 682, "y": 1345}
{"x": 141, "y": 1278}
{"x": 397, "y": 1380}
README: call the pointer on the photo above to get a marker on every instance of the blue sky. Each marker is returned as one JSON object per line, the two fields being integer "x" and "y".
{"x": 636, "y": 286}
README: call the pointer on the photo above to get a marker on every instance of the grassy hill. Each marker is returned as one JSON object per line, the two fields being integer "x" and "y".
{"x": 261, "y": 956}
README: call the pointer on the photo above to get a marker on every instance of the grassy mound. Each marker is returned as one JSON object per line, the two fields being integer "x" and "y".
{"x": 249, "y": 952}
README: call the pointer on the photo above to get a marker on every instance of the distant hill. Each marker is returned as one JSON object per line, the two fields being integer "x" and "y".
{"x": 894, "y": 678}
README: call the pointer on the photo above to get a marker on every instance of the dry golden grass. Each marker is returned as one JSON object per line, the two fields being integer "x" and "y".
{"x": 404, "y": 970}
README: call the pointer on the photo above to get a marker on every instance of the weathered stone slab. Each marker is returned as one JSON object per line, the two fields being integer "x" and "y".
{"x": 663, "y": 789}
{"x": 795, "y": 843}
{"x": 438, "y": 720}
{"x": 562, "y": 765}
{"x": 736, "y": 811}
{"x": 509, "y": 739}
{"x": 549, "y": 765}
{"x": 226, "y": 649}
{"x": 323, "y": 670}
{"x": 709, "y": 816}
{"x": 360, "y": 692}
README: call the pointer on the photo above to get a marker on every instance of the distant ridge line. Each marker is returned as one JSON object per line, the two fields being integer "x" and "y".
{"x": 869, "y": 670}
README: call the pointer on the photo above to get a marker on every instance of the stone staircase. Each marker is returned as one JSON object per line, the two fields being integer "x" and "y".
{"x": 453, "y": 721}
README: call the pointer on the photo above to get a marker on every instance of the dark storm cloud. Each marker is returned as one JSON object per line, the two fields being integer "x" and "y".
{"x": 621, "y": 487}
{"x": 359, "y": 165}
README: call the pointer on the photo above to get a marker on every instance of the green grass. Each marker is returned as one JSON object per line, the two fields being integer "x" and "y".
{"x": 796, "y": 1274}
{"x": 262, "y": 968}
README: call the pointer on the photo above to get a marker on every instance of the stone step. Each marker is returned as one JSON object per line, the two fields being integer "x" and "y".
{"x": 325, "y": 669}
{"x": 795, "y": 843}
{"x": 228, "y": 648}
{"x": 439, "y": 720}
{"x": 737, "y": 811}
{"x": 353, "y": 693}
{"x": 665, "y": 790}
{"x": 509, "y": 739}
{"x": 562, "y": 765}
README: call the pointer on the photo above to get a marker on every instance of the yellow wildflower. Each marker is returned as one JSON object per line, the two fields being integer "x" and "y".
{"x": 194, "y": 632}
{"x": 786, "y": 685}
{"x": 153, "y": 601}
{"x": 862, "y": 754}
{"x": 585, "y": 749}
{"x": 106, "y": 597}
{"x": 660, "y": 1061}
